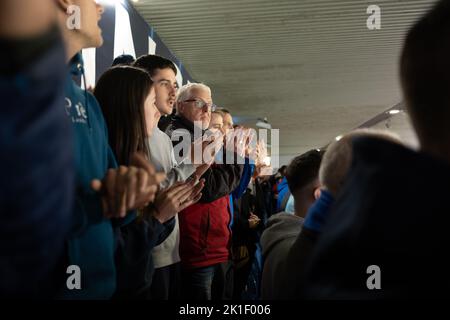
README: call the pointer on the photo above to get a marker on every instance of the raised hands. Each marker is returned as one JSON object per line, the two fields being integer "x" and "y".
{"x": 172, "y": 200}
{"x": 128, "y": 188}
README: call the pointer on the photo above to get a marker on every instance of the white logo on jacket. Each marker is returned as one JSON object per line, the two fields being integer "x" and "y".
{"x": 77, "y": 113}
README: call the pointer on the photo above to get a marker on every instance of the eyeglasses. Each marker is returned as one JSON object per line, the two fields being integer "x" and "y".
{"x": 200, "y": 104}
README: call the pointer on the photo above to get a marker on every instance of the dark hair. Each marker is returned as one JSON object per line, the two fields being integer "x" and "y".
{"x": 425, "y": 74}
{"x": 282, "y": 170}
{"x": 151, "y": 63}
{"x": 121, "y": 92}
{"x": 124, "y": 60}
{"x": 303, "y": 169}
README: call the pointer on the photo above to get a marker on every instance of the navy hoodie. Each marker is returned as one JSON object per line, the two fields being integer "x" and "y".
{"x": 36, "y": 184}
{"x": 393, "y": 212}
{"x": 91, "y": 245}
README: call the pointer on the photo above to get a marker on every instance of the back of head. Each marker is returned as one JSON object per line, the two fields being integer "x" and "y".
{"x": 123, "y": 60}
{"x": 425, "y": 77}
{"x": 302, "y": 178}
{"x": 337, "y": 159}
{"x": 282, "y": 170}
{"x": 121, "y": 92}
{"x": 151, "y": 63}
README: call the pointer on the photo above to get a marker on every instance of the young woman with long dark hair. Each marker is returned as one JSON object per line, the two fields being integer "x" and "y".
{"x": 127, "y": 98}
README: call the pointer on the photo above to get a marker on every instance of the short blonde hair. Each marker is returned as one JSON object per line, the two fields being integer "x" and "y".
{"x": 219, "y": 112}
{"x": 337, "y": 159}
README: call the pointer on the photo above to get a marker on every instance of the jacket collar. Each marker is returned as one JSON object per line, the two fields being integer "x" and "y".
{"x": 182, "y": 122}
{"x": 76, "y": 65}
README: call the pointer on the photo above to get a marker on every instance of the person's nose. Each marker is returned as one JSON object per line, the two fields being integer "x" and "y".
{"x": 173, "y": 91}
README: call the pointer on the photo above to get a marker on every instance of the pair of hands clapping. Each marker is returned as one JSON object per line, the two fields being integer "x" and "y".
{"x": 136, "y": 186}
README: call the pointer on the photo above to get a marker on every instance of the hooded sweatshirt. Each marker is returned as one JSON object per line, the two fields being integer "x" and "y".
{"x": 299, "y": 255}
{"x": 281, "y": 231}
{"x": 389, "y": 222}
{"x": 91, "y": 243}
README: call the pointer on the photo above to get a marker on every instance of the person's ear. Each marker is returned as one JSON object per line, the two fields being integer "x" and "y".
{"x": 180, "y": 107}
{"x": 317, "y": 193}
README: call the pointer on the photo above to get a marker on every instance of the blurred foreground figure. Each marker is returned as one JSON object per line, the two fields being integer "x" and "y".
{"x": 37, "y": 182}
{"x": 387, "y": 235}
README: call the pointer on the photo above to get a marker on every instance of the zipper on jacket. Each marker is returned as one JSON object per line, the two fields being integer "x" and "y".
{"x": 86, "y": 98}
{"x": 208, "y": 223}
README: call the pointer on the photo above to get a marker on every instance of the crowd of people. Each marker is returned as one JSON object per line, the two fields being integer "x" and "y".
{"x": 151, "y": 192}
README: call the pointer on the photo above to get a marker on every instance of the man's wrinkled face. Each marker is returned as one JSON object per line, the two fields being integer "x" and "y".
{"x": 197, "y": 108}
{"x": 166, "y": 86}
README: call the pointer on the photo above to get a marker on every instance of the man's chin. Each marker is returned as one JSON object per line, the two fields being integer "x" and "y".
{"x": 168, "y": 110}
{"x": 164, "y": 109}
{"x": 94, "y": 43}
{"x": 99, "y": 42}
{"x": 205, "y": 125}
{"x": 98, "y": 39}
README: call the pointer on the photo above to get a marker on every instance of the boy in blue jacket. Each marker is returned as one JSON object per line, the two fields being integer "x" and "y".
{"x": 104, "y": 192}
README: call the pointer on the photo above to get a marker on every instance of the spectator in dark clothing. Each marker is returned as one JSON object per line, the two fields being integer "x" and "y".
{"x": 205, "y": 235}
{"x": 264, "y": 197}
{"x": 245, "y": 236}
{"x": 387, "y": 235}
{"x": 335, "y": 165}
{"x": 36, "y": 189}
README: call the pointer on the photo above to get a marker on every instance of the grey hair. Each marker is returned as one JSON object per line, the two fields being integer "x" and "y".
{"x": 337, "y": 159}
{"x": 184, "y": 93}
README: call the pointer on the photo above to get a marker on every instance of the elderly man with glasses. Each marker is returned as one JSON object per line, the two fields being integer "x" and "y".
{"x": 205, "y": 234}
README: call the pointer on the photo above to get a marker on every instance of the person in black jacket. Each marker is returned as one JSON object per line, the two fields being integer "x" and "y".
{"x": 387, "y": 235}
{"x": 205, "y": 235}
{"x": 245, "y": 236}
{"x": 220, "y": 180}
{"x": 332, "y": 173}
